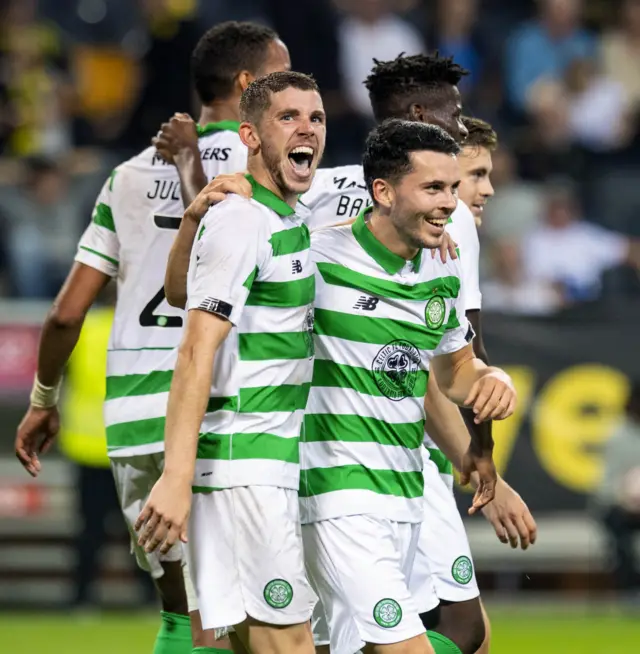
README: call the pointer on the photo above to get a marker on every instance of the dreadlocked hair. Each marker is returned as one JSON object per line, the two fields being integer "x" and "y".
{"x": 392, "y": 84}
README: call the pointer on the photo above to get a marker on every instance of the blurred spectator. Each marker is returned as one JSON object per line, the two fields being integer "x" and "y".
{"x": 509, "y": 290}
{"x": 454, "y": 36}
{"x": 621, "y": 52}
{"x": 371, "y": 30}
{"x": 36, "y": 99}
{"x": 571, "y": 253}
{"x": 597, "y": 108}
{"x": 618, "y": 497}
{"x": 43, "y": 222}
{"x": 542, "y": 49}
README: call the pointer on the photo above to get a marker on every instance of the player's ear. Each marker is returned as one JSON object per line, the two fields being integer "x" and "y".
{"x": 249, "y": 136}
{"x": 244, "y": 79}
{"x": 383, "y": 193}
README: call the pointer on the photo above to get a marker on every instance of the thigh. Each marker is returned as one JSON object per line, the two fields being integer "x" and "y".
{"x": 245, "y": 553}
{"x": 134, "y": 478}
{"x": 443, "y": 552}
{"x": 357, "y": 564}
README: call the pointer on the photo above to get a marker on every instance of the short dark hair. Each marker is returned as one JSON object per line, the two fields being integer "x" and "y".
{"x": 225, "y": 51}
{"x": 388, "y": 148}
{"x": 256, "y": 98}
{"x": 481, "y": 134}
{"x": 393, "y": 85}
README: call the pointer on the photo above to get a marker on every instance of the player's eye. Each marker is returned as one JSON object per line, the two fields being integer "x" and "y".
{"x": 286, "y": 117}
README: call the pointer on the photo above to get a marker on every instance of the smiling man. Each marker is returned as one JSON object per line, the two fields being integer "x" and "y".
{"x": 476, "y": 165}
{"x": 241, "y": 384}
{"x": 386, "y": 315}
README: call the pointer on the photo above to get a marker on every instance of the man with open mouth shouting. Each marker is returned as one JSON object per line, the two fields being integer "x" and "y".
{"x": 241, "y": 384}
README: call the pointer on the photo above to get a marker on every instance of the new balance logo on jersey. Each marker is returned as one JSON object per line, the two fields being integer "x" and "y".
{"x": 366, "y": 303}
{"x": 296, "y": 266}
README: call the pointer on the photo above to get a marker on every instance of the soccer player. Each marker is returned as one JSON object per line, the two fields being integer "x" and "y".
{"x": 241, "y": 384}
{"x": 134, "y": 223}
{"x": 386, "y": 313}
{"x": 476, "y": 165}
{"x": 424, "y": 89}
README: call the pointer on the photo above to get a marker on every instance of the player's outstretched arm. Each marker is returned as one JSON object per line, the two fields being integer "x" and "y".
{"x": 59, "y": 336}
{"x": 164, "y": 517}
{"x": 175, "y": 281}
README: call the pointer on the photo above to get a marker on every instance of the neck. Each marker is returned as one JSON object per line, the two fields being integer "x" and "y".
{"x": 218, "y": 111}
{"x": 384, "y": 230}
{"x": 264, "y": 178}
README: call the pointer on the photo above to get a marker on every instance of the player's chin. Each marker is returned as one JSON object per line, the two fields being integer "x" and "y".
{"x": 298, "y": 178}
{"x": 432, "y": 233}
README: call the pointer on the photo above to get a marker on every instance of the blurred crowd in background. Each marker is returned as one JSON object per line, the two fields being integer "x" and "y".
{"x": 85, "y": 84}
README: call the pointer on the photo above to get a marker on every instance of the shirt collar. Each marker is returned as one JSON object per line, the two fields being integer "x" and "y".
{"x": 269, "y": 199}
{"x": 221, "y": 126}
{"x": 389, "y": 261}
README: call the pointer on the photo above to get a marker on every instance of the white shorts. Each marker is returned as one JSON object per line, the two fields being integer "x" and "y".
{"x": 443, "y": 557}
{"x": 360, "y": 567}
{"x": 134, "y": 477}
{"x": 245, "y": 554}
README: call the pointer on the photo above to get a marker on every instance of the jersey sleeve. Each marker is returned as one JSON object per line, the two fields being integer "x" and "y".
{"x": 225, "y": 259}
{"x": 458, "y": 332}
{"x": 99, "y": 246}
{"x": 469, "y": 245}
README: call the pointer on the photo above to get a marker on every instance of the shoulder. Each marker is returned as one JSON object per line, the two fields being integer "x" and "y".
{"x": 463, "y": 216}
{"x": 327, "y": 240}
{"x": 462, "y": 227}
{"x": 241, "y": 216}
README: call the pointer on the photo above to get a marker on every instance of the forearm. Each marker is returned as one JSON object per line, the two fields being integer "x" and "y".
{"x": 57, "y": 341}
{"x": 444, "y": 424}
{"x": 187, "y": 405}
{"x": 175, "y": 280}
{"x": 191, "y": 173}
{"x": 481, "y": 434}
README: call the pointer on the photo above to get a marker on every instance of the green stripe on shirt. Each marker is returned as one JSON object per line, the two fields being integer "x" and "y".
{"x": 102, "y": 216}
{"x": 442, "y": 463}
{"x": 99, "y": 254}
{"x": 358, "y": 429}
{"x": 157, "y": 381}
{"x": 317, "y": 481}
{"x": 377, "y": 331}
{"x": 337, "y": 275}
{"x": 248, "y": 446}
{"x": 278, "y": 346}
{"x": 290, "y": 241}
{"x": 296, "y": 293}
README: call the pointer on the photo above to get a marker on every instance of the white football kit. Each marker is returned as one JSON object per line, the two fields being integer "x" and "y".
{"x": 133, "y": 226}
{"x": 251, "y": 266}
{"x": 443, "y": 567}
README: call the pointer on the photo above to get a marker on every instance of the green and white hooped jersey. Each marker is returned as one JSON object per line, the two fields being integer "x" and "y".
{"x": 251, "y": 264}
{"x": 338, "y": 194}
{"x": 134, "y": 223}
{"x": 379, "y": 320}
